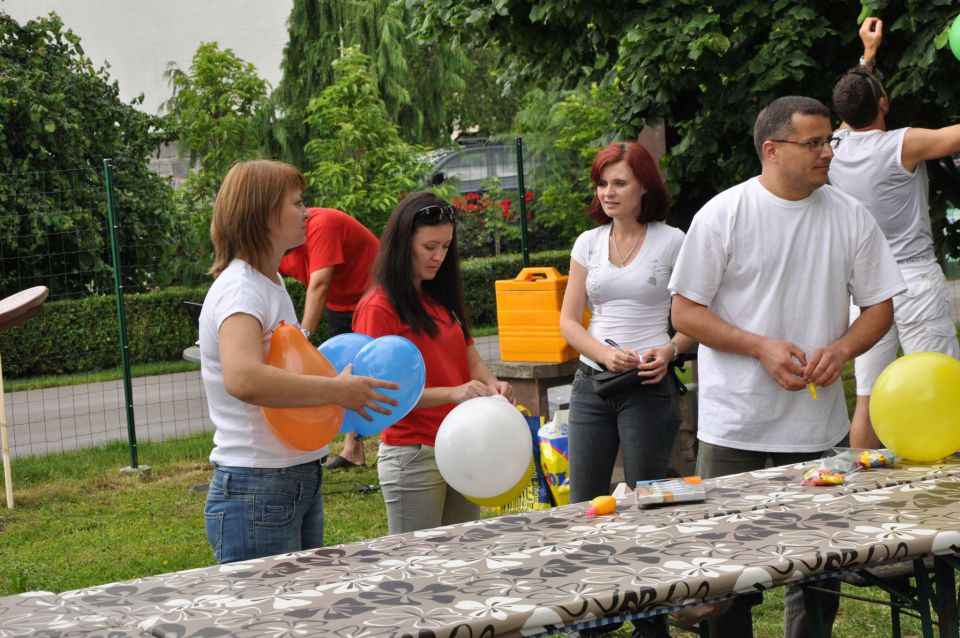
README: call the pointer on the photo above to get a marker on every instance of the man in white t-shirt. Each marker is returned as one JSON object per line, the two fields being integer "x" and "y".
{"x": 762, "y": 282}
{"x": 885, "y": 170}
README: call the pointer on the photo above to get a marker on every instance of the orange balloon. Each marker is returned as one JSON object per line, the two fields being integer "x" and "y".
{"x": 301, "y": 428}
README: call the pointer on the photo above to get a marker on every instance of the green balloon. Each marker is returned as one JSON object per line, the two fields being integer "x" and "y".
{"x": 955, "y": 37}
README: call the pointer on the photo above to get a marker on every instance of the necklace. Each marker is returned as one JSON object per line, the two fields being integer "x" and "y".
{"x": 616, "y": 245}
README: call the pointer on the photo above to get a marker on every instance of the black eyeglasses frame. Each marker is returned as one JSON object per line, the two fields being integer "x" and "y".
{"x": 814, "y": 146}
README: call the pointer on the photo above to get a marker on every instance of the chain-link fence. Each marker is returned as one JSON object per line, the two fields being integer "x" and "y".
{"x": 56, "y": 231}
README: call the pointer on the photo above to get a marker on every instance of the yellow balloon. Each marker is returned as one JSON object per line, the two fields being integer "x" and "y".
{"x": 915, "y": 406}
{"x": 510, "y": 495}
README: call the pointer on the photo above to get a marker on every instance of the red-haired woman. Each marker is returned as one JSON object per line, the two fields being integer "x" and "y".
{"x": 620, "y": 270}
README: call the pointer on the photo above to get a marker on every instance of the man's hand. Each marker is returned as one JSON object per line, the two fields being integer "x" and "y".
{"x": 871, "y": 33}
{"x": 780, "y": 360}
{"x": 824, "y": 366}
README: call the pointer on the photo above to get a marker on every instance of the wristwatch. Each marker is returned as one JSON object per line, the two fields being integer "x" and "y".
{"x": 867, "y": 63}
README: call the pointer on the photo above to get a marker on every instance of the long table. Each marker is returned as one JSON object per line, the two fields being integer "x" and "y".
{"x": 524, "y": 575}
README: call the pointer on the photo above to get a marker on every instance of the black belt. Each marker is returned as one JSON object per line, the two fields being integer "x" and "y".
{"x": 587, "y": 370}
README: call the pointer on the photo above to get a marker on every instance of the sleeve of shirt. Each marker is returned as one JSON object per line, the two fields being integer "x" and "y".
{"x": 875, "y": 276}
{"x": 375, "y": 319}
{"x": 581, "y": 248}
{"x": 324, "y": 247}
{"x": 236, "y": 300}
{"x": 701, "y": 261}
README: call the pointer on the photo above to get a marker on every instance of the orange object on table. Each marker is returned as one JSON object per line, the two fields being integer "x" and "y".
{"x": 602, "y": 505}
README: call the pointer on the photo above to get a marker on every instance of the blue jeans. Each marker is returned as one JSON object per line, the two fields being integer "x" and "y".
{"x": 254, "y": 512}
{"x": 642, "y": 423}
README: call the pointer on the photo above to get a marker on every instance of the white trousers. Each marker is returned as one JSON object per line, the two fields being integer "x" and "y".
{"x": 922, "y": 322}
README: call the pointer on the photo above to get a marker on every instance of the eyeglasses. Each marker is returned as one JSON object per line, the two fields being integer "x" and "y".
{"x": 435, "y": 214}
{"x": 815, "y": 146}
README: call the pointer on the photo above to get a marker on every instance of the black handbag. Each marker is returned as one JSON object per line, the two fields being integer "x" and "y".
{"x": 608, "y": 384}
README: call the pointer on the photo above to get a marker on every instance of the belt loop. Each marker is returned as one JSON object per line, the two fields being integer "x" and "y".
{"x": 226, "y": 485}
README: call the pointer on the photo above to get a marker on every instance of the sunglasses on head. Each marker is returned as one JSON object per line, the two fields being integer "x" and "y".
{"x": 435, "y": 214}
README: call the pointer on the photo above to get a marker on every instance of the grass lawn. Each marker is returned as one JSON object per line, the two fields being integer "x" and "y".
{"x": 79, "y": 523}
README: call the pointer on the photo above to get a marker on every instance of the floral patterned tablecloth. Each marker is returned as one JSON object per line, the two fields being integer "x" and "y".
{"x": 528, "y": 574}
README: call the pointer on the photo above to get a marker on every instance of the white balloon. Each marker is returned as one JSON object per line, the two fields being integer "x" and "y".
{"x": 483, "y": 447}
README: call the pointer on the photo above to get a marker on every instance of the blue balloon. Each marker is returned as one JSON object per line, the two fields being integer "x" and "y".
{"x": 391, "y": 358}
{"x": 343, "y": 348}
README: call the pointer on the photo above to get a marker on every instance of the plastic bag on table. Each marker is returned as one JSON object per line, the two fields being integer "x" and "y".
{"x": 831, "y": 470}
{"x": 866, "y": 458}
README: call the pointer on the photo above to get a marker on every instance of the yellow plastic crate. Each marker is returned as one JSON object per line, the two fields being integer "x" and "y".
{"x": 528, "y": 314}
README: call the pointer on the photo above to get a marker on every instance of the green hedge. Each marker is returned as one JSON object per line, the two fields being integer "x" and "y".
{"x": 81, "y": 335}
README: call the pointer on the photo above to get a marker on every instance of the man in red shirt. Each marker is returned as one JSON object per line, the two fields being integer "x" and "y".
{"x": 334, "y": 265}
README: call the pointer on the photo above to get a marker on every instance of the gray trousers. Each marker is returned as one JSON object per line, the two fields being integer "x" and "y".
{"x": 415, "y": 493}
{"x": 716, "y": 460}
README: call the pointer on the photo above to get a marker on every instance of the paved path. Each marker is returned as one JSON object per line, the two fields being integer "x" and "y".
{"x": 71, "y": 417}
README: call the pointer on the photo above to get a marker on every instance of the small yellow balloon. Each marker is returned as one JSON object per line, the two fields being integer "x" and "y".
{"x": 507, "y": 497}
{"x": 915, "y": 406}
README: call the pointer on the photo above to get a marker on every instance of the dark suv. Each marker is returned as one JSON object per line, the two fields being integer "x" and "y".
{"x": 472, "y": 164}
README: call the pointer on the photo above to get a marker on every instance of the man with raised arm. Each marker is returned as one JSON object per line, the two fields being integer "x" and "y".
{"x": 885, "y": 170}
{"x": 763, "y": 282}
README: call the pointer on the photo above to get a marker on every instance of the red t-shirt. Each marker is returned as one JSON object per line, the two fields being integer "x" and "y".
{"x": 445, "y": 357}
{"x": 334, "y": 239}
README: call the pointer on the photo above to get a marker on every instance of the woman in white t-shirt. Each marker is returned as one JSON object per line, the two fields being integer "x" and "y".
{"x": 264, "y": 497}
{"x": 620, "y": 271}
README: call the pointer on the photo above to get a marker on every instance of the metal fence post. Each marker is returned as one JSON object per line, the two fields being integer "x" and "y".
{"x": 121, "y": 317}
{"x": 523, "y": 204}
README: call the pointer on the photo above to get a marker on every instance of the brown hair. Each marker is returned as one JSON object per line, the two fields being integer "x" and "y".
{"x": 249, "y": 198}
{"x": 856, "y": 98}
{"x": 654, "y": 205}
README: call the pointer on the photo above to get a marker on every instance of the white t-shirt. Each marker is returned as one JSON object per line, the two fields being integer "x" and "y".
{"x": 867, "y": 165}
{"x": 629, "y": 305}
{"x": 785, "y": 270}
{"x": 243, "y": 438}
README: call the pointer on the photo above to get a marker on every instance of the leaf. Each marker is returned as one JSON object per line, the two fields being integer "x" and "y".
{"x": 941, "y": 40}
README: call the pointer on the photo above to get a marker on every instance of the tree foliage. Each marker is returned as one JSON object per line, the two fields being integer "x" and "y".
{"x": 360, "y": 163}
{"x": 60, "y": 117}
{"x": 706, "y": 69}
{"x": 416, "y": 82}
{"x": 567, "y": 128}
{"x": 217, "y": 115}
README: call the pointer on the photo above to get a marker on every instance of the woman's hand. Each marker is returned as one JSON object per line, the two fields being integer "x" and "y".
{"x": 470, "y": 390}
{"x": 620, "y": 360}
{"x": 358, "y": 393}
{"x": 505, "y": 390}
{"x": 656, "y": 362}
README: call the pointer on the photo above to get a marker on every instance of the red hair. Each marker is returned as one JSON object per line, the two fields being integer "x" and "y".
{"x": 654, "y": 205}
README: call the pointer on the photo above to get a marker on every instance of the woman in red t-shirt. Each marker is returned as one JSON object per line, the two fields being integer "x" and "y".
{"x": 418, "y": 294}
